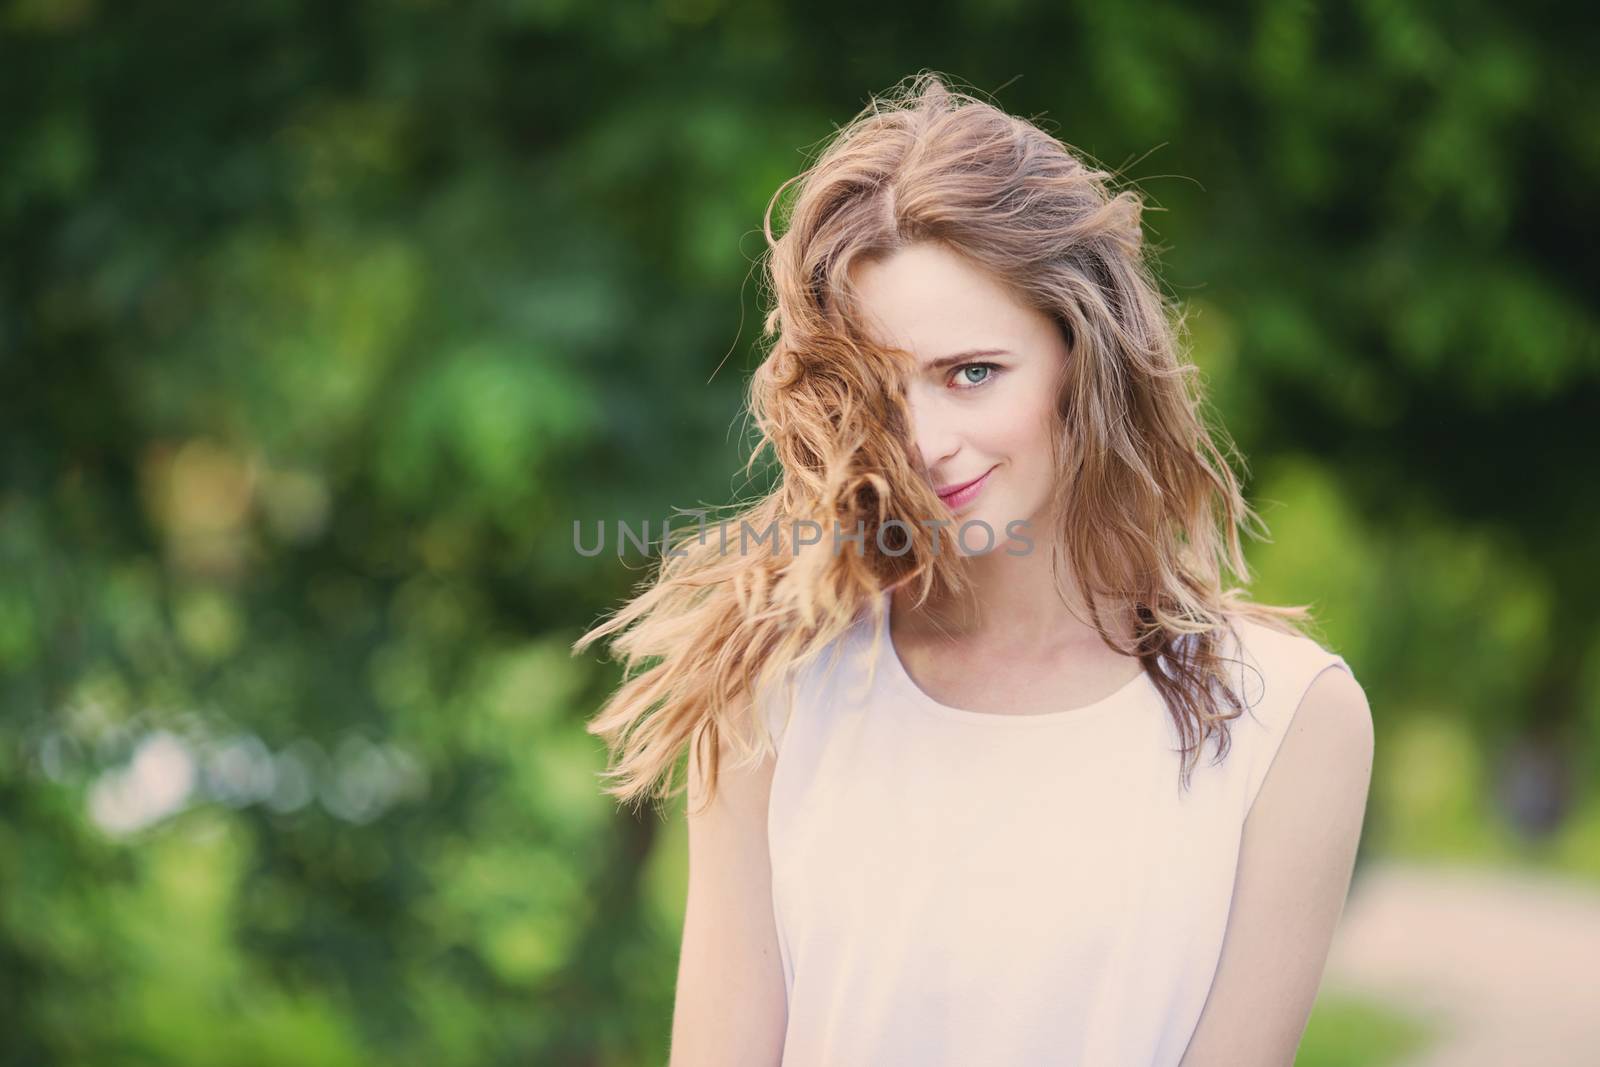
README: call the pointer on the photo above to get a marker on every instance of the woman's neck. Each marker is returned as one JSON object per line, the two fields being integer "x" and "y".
{"x": 1012, "y": 601}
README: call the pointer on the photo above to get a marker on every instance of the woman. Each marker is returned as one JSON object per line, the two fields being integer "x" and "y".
{"x": 948, "y": 801}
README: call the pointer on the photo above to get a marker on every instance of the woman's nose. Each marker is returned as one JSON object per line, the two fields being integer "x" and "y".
{"x": 935, "y": 435}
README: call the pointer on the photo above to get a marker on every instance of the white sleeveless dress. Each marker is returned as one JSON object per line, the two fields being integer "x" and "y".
{"x": 978, "y": 890}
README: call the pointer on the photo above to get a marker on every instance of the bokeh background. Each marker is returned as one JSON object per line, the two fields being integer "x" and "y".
{"x": 320, "y": 324}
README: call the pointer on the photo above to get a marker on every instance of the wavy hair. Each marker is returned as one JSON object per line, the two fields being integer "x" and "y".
{"x": 1149, "y": 510}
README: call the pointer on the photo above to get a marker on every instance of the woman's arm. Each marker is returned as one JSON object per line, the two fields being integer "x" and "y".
{"x": 731, "y": 1007}
{"x": 1295, "y": 863}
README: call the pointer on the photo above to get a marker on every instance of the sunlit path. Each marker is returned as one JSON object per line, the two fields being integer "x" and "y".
{"x": 1502, "y": 964}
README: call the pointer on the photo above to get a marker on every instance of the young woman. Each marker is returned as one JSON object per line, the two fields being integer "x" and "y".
{"x": 1001, "y": 769}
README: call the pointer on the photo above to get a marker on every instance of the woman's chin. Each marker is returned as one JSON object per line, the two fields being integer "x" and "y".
{"x": 974, "y": 533}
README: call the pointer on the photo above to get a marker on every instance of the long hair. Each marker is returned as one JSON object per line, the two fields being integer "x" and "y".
{"x": 1149, "y": 511}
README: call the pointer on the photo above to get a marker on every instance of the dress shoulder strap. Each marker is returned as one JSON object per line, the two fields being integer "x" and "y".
{"x": 1272, "y": 672}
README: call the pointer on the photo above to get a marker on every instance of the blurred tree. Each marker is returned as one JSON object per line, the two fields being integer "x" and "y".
{"x": 319, "y": 324}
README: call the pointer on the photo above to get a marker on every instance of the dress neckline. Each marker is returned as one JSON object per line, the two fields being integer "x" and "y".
{"x": 920, "y": 698}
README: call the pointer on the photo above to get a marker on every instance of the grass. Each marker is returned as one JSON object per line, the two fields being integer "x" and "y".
{"x": 1345, "y": 1031}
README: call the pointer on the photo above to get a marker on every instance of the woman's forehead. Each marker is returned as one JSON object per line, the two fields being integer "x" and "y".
{"x": 935, "y": 304}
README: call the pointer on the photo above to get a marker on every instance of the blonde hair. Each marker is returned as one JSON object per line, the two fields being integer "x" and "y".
{"x": 1150, "y": 510}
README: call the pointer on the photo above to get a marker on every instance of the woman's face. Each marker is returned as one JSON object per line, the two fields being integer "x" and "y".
{"x": 983, "y": 396}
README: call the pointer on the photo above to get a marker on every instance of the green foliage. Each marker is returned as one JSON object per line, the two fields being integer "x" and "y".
{"x": 320, "y": 324}
{"x": 1348, "y": 1032}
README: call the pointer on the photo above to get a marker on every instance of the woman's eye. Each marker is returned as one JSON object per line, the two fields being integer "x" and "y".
{"x": 972, "y": 375}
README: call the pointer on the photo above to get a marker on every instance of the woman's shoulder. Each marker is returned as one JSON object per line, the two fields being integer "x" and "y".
{"x": 808, "y": 681}
{"x": 1284, "y": 681}
{"x": 1259, "y": 648}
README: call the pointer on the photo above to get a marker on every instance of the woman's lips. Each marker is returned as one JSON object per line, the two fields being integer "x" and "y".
{"x": 961, "y": 495}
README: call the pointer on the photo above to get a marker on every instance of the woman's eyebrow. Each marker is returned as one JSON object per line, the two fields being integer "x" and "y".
{"x": 963, "y": 357}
